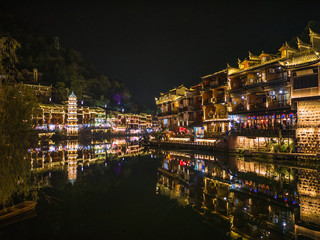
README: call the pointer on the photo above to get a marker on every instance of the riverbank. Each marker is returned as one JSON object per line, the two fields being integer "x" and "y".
{"x": 224, "y": 146}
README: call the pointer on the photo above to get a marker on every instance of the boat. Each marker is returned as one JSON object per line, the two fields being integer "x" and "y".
{"x": 18, "y": 209}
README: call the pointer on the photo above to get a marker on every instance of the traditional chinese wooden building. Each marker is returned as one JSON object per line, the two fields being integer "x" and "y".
{"x": 214, "y": 103}
{"x": 260, "y": 93}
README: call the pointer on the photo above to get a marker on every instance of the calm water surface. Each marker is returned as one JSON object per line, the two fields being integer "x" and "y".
{"x": 106, "y": 190}
{"x": 115, "y": 189}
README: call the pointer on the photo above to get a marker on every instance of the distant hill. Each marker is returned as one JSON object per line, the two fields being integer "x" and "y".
{"x": 64, "y": 68}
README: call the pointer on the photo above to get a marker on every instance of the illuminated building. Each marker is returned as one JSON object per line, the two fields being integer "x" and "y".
{"x": 55, "y": 117}
{"x": 214, "y": 103}
{"x": 168, "y": 107}
{"x": 179, "y": 109}
{"x": 260, "y": 93}
{"x": 129, "y": 122}
{"x": 303, "y": 67}
{"x": 72, "y": 127}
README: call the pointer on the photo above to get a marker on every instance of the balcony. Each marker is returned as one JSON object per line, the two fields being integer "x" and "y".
{"x": 257, "y": 106}
{"x": 278, "y": 104}
{"x": 258, "y": 83}
{"x": 168, "y": 113}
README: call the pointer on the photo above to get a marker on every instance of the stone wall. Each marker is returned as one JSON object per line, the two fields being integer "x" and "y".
{"x": 308, "y": 128}
{"x": 309, "y": 195}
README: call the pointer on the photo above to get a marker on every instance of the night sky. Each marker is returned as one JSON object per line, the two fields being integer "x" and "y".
{"x": 155, "y": 46}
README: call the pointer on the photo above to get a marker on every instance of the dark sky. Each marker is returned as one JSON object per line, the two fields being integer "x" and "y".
{"x": 155, "y": 46}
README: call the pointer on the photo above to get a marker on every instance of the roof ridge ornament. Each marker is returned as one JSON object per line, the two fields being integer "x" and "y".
{"x": 72, "y": 94}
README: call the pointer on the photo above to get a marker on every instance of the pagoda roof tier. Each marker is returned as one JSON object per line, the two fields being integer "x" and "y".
{"x": 72, "y": 95}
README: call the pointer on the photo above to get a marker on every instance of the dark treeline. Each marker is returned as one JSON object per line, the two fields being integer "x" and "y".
{"x": 64, "y": 68}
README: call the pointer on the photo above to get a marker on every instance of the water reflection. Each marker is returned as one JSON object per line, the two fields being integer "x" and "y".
{"x": 103, "y": 189}
{"x": 245, "y": 197}
{"x": 257, "y": 198}
{"x": 71, "y": 156}
{"x": 72, "y": 149}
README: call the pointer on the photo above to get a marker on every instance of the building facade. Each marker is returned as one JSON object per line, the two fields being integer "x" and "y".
{"x": 214, "y": 103}
{"x": 168, "y": 105}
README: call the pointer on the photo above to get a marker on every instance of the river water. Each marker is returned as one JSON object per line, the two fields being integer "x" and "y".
{"x": 116, "y": 189}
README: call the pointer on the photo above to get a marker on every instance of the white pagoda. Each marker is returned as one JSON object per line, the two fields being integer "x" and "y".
{"x": 72, "y": 126}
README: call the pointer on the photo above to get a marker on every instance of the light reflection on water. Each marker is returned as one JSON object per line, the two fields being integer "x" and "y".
{"x": 257, "y": 197}
{"x": 234, "y": 196}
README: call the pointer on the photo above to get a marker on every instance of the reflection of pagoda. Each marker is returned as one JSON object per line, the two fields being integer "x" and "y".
{"x": 72, "y": 148}
{"x": 72, "y": 127}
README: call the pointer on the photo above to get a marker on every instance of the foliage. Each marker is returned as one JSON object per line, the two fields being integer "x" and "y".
{"x": 17, "y": 106}
{"x": 8, "y": 58}
{"x": 273, "y": 146}
{"x": 63, "y": 68}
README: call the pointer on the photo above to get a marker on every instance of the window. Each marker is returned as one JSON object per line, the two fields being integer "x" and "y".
{"x": 271, "y": 70}
{"x": 307, "y": 81}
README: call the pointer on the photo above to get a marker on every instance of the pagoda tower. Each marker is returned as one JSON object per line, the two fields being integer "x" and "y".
{"x": 72, "y": 126}
{"x": 72, "y": 149}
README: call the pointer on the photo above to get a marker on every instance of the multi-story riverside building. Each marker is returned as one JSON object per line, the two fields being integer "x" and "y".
{"x": 260, "y": 93}
{"x": 54, "y": 116}
{"x": 179, "y": 110}
{"x": 303, "y": 67}
{"x": 266, "y": 96}
{"x": 214, "y": 103}
{"x": 121, "y": 122}
{"x": 168, "y": 105}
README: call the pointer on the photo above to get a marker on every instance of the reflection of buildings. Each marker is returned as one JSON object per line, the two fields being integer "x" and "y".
{"x": 72, "y": 149}
{"x": 72, "y": 128}
{"x": 52, "y": 156}
{"x": 309, "y": 196}
{"x": 124, "y": 147}
{"x": 72, "y": 158}
{"x": 258, "y": 199}
{"x": 174, "y": 177}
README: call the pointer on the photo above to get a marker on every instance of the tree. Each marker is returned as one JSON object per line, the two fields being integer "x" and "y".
{"x": 8, "y": 58}
{"x": 17, "y": 107}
